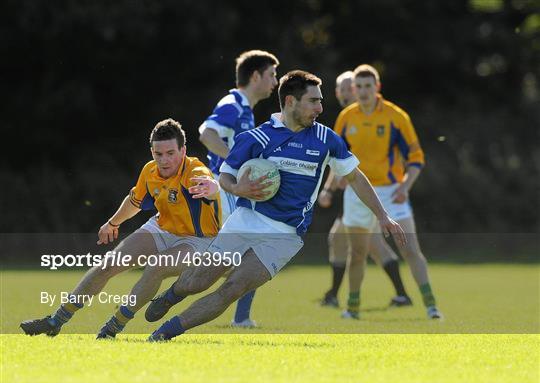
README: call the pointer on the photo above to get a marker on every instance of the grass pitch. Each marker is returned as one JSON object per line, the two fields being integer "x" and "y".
{"x": 490, "y": 333}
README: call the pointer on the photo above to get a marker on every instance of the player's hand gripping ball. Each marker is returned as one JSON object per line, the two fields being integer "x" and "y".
{"x": 259, "y": 168}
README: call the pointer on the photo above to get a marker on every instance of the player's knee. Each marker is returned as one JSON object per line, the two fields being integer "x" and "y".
{"x": 359, "y": 254}
{"x": 190, "y": 286}
{"x": 411, "y": 253}
{"x": 357, "y": 258}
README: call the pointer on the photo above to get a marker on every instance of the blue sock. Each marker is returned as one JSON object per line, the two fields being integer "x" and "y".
{"x": 243, "y": 307}
{"x": 171, "y": 328}
{"x": 172, "y": 297}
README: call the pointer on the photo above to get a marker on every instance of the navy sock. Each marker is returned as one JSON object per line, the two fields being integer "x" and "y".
{"x": 338, "y": 271}
{"x": 172, "y": 297}
{"x": 243, "y": 307}
{"x": 392, "y": 270}
{"x": 171, "y": 328}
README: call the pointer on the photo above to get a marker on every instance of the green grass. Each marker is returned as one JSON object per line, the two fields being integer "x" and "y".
{"x": 274, "y": 358}
{"x": 490, "y": 333}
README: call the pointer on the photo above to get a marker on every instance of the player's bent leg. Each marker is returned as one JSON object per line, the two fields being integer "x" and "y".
{"x": 139, "y": 242}
{"x": 390, "y": 264}
{"x": 193, "y": 280}
{"x": 359, "y": 239}
{"x": 145, "y": 289}
{"x": 248, "y": 276}
{"x": 412, "y": 253}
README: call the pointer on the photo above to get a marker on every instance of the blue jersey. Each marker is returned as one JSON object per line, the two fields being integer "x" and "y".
{"x": 231, "y": 116}
{"x": 301, "y": 158}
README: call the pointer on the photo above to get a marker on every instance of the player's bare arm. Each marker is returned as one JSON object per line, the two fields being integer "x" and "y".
{"x": 401, "y": 194}
{"x": 108, "y": 232}
{"x": 244, "y": 187}
{"x": 214, "y": 143}
{"x": 363, "y": 189}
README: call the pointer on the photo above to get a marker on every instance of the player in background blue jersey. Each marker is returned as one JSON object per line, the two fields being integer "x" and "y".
{"x": 233, "y": 114}
{"x": 268, "y": 234}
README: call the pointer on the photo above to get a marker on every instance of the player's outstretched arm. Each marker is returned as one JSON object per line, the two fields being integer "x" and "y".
{"x": 244, "y": 187}
{"x": 108, "y": 232}
{"x": 206, "y": 187}
{"x": 213, "y": 142}
{"x": 363, "y": 189}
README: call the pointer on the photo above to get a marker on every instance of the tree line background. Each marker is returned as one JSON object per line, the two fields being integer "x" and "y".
{"x": 84, "y": 82}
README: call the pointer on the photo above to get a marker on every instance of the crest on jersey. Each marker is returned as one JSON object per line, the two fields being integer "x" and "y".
{"x": 352, "y": 129}
{"x": 173, "y": 195}
{"x": 380, "y": 130}
{"x": 156, "y": 191}
{"x": 244, "y": 125}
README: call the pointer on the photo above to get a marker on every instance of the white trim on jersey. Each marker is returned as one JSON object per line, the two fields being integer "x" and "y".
{"x": 260, "y": 136}
{"x": 322, "y": 132}
{"x": 342, "y": 167}
{"x": 222, "y": 131}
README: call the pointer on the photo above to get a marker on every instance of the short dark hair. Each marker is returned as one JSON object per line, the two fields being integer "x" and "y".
{"x": 295, "y": 83}
{"x": 251, "y": 61}
{"x": 167, "y": 130}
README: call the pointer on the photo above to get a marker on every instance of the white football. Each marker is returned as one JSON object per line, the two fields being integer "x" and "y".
{"x": 261, "y": 167}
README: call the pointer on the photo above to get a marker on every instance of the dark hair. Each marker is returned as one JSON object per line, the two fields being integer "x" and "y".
{"x": 251, "y": 61}
{"x": 167, "y": 130}
{"x": 295, "y": 83}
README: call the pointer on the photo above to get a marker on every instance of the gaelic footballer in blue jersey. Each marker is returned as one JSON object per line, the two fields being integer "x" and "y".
{"x": 233, "y": 114}
{"x": 268, "y": 234}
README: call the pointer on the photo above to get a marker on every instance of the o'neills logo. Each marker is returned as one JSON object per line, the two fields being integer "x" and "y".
{"x": 292, "y": 165}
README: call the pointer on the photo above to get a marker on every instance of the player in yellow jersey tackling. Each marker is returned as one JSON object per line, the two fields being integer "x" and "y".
{"x": 186, "y": 197}
{"x": 338, "y": 244}
{"x": 382, "y": 136}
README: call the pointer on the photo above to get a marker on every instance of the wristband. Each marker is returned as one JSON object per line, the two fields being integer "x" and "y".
{"x": 113, "y": 225}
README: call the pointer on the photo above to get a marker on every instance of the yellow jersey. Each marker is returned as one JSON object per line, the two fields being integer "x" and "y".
{"x": 178, "y": 212}
{"x": 384, "y": 141}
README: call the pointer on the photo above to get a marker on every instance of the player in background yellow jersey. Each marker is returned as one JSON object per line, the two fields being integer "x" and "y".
{"x": 338, "y": 244}
{"x": 383, "y": 138}
{"x": 186, "y": 197}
